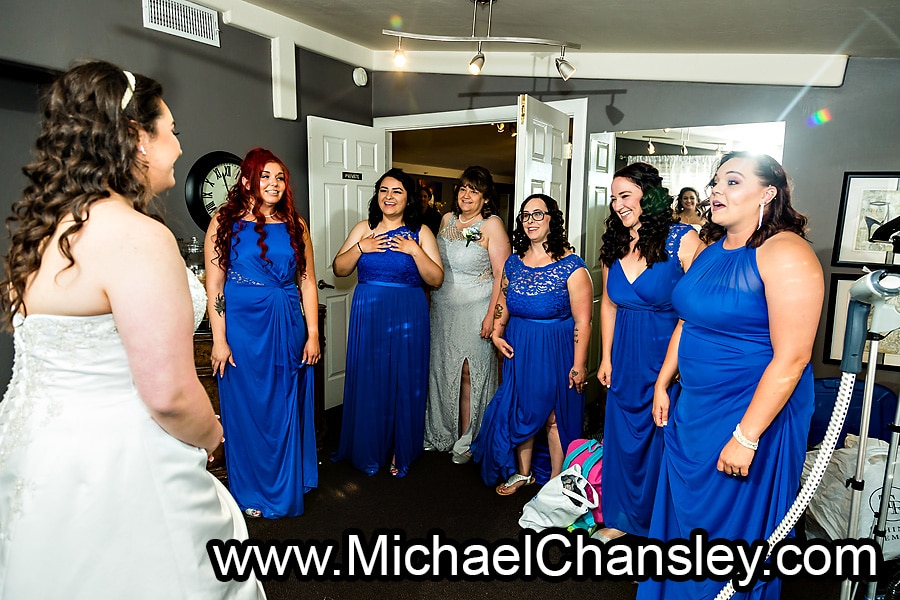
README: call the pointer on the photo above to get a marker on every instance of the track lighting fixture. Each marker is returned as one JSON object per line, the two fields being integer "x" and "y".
{"x": 651, "y": 149}
{"x": 614, "y": 115}
{"x": 477, "y": 62}
{"x": 564, "y": 67}
{"x": 399, "y": 55}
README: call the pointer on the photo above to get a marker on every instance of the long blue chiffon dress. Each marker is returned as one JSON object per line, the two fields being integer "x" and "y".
{"x": 632, "y": 443}
{"x": 267, "y": 398}
{"x": 387, "y": 363}
{"x": 536, "y": 379}
{"x": 724, "y": 349}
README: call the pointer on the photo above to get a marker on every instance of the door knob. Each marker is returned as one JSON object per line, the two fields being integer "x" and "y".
{"x": 322, "y": 285}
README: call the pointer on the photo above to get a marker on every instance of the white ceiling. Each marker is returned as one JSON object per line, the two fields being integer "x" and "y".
{"x": 858, "y": 28}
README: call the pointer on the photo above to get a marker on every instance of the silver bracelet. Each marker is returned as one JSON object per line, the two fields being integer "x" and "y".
{"x": 742, "y": 440}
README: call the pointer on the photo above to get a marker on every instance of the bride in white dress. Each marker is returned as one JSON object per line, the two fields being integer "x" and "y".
{"x": 105, "y": 429}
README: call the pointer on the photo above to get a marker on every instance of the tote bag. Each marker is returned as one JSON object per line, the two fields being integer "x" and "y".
{"x": 560, "y": 502}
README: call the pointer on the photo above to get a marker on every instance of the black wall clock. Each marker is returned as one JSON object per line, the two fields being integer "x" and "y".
{"x": 207, "y": 184}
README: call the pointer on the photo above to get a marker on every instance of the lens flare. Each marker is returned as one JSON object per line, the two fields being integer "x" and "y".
{"x": 396, "y": 22}
{"x": 820, "y": 117}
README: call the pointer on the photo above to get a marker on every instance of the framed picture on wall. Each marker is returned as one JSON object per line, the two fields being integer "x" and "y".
{"x": 868, "y": 200}
{"x": 836, "y": 324}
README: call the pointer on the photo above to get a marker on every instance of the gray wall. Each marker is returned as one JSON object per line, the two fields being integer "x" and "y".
{"x": 222, "y": 99}
{"x": 862, "y": 135}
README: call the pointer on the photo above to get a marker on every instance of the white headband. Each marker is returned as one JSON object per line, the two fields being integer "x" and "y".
{"x": 129, "y": 91}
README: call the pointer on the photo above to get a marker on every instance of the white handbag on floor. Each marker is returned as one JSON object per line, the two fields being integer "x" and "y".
{"x": 560, "y": 502}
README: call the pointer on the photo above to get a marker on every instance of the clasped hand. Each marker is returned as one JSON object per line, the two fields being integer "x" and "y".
{"x": 382, "y": 242}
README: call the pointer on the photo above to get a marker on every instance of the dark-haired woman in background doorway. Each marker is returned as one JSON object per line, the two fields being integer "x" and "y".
{"x": 542, "y": 326}
{"x": 388, "y": 338}
{"x": 644, "y": 254}
{"x": 258, "y": 253}
{"x": 687, "y": 208}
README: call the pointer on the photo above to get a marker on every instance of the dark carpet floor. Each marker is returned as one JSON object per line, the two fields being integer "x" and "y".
{"x": 436, "y": 494}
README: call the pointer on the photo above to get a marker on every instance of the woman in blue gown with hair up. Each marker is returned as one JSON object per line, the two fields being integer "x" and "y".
{"x": 644, "y": 254}
{"x": 264, "y": 345}
{"x": 735, "y": 441}
{"x": 542, "y": 326}
{"x": 383, "y": 422}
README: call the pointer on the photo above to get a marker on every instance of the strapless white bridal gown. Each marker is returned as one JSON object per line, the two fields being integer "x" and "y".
{"x": 96, "y": 500}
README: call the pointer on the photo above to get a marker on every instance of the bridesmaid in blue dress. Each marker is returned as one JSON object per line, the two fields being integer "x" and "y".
{"x": 542, "y": 326}
{"x": 644, "y": 254}
{"x": 264, "y": 344}
{"x": 388, "y": 339}
{"x": 736, "y": 439}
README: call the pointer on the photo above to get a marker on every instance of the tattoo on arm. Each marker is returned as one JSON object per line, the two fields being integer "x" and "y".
{"x": 220, "y": 304}
{"x": 576, "y": 335}
{"x": 498, "y": 312}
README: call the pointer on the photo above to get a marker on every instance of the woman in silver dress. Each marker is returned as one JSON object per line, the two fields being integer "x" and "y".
{"x": 463, "y": 376}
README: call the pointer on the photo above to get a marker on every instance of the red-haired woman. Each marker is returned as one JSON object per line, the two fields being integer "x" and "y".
{"x": 258, "y": 252}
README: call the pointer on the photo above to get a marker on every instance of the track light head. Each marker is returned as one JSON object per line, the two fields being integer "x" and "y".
{"x": 651, "y": 149}
{"x": 476, "y": 64}
{"x": 399, "y": 58}
{"x": 565, "y": 68}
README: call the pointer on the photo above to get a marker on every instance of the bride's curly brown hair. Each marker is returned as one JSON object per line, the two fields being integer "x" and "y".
{"x": 86, "y": 150}
{"x": 245, "y": 201}
{"x": 656, "y": 219}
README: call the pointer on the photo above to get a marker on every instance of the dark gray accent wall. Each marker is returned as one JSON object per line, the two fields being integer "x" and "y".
{"x": 862, "y": 135}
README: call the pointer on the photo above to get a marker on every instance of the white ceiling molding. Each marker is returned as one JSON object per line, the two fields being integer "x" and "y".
{"x": 758, "y": 69}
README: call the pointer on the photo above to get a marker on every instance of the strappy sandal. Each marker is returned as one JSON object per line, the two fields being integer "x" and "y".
{"x": 512, "y": 485}
{"x": 253, "y": 513}
{"x": 394, "y": 471}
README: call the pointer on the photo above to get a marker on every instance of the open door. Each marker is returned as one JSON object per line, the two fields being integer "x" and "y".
{"x": 345, "y": 161}
{"x": 542, "y": 161}
{"x": 602, "y": 160}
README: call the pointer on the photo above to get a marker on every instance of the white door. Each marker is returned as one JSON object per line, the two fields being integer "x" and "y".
{"x": 601, "y": 164}
{"x": 542, "y": 162}
{"x": 345, "y": 161}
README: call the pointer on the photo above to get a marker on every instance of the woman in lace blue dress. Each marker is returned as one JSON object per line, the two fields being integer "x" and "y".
{"x": 644, "y": 254}
{"x": 542, "y": 326}
{"x": 388, "y": 338}
{"x": 736, "y": 438}
{"x": 258, "y": 252}
{"x": 463, "y": 374}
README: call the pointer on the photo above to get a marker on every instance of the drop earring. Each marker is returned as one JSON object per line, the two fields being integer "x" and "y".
{"x": 762, "y": 209}
{"x": 142, "y": 151}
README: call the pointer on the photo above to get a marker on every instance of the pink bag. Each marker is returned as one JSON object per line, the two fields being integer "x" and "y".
{"x": 588, "y": 454}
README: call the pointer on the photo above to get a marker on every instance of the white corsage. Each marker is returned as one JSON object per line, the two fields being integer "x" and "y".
{"x": 472, "y": 234}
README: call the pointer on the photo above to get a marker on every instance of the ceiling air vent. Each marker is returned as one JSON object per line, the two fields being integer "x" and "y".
{"x": 184, "y": 19}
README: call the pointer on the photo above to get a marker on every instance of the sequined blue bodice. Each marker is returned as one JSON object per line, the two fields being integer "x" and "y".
{"x": 540, "y": 292}
{"x": 390, "y": 266}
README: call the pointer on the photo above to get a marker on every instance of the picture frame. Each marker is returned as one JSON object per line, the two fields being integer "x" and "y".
{"x": 836, "y": 323}
{"x": 868, "y": 199}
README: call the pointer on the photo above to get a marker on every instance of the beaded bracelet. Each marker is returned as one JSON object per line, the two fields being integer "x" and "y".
{"x": 742, "y": 440}
{"x": 360, "y": 248}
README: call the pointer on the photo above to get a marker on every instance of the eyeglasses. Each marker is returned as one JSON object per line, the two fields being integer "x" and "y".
{"x": 537, "y": 215}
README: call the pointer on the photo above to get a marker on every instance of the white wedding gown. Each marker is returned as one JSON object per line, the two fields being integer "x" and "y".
{"x": 96, "y": 500}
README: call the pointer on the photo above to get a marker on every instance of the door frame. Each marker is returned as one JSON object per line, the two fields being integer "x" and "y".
{"x": 576, "y": 108}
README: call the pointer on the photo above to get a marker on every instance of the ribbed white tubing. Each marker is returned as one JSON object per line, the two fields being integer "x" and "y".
{"x": 845, "y": 394}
